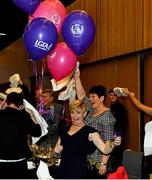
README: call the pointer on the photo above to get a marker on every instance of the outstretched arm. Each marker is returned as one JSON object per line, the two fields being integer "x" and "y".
{"x": 137, "y": 103}
{"x": 79, "y": 88}
{"x": 106, "y": 148}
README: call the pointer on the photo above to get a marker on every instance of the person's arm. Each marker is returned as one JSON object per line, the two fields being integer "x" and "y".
{"x": 25, "y": 89}
{"x": 34, "y": 129}
{"x": 26, "y": 93}
{"x": 103, "y": 164}
{"x": 79, "y": 87}
{"x": 58, "y": 148}
{"x": 106, "y": 148}
{"x": 108, "y": 126}
{"x": 137, "y": 103}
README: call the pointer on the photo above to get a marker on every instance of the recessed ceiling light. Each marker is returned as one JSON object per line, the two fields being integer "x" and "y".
{"x": 2, "y": 34}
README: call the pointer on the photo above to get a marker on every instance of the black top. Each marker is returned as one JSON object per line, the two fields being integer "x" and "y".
{"x": 120, "y": 113}
{"x": 76, "y": 147}
{"x": 15, "y": 126}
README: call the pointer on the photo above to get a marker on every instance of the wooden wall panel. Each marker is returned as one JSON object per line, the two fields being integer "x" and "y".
{"x": 118, "y": 27}
{"x": 14, "y": 59}
{"x": 125, "y": 22}
{"x": 103, "y": 30}
{"x": 122, "y": 72}
{"x": 147, "y": 24}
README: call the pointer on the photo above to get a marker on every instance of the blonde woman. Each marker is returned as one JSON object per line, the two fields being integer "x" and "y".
{"x": 76, "y": 142}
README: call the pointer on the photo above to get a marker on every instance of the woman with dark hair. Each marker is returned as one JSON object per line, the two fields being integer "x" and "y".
{"x": 15, "y": 127}
{"x": 101, "y": 118}
{"x": 100, "y": 90}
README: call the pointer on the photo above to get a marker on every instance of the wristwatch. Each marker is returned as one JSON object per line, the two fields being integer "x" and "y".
{"x": 103, "y": 164}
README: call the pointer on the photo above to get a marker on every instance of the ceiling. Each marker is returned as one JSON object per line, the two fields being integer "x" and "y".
{"x": 13, "y": 21}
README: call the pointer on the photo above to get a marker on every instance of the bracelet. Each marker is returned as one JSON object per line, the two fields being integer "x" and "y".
{"x": 103, "y": 164}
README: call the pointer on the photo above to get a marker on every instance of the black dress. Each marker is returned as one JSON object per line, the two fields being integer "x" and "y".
{"x": 76, "y": 147}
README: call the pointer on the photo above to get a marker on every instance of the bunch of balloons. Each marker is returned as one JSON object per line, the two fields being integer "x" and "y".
{"x": 46, "y": 20}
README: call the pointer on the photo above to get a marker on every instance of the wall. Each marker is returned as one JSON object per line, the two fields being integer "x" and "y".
{"x": 14, "y": 59}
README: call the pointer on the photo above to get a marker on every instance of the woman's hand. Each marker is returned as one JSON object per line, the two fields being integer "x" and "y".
{"x": 77, "y": 71}
{"x": 102, "y": 169}
{"x": 126, "y": 91}
{"x": 117, "y": 140}
{"x": 77, "y": 74}
{"x": 58, "y": 149}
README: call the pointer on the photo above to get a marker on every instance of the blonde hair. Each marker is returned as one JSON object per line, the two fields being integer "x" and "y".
{"x": 75, "y": 104}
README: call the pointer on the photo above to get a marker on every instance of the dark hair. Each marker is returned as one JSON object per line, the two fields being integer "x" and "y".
{"x": 47, "y": 91}
{"x": 111, "y": 91}
{"x": 100, "y": 90}
{"x": 15, "y": 98}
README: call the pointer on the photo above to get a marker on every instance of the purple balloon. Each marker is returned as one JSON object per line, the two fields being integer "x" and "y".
{"x": 29, "y": 6}
{"x": 78, "y": 31}
{"x": 40, "y": 38}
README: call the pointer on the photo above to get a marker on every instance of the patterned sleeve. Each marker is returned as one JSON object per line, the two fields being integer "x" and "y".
{"x": 108, "y": 126}
{"x": 87, "y": 102}
{"x": 91, "y": 129}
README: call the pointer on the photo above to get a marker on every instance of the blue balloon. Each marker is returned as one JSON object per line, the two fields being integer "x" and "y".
{"x": 40, "y": 38}
{"x": 78, "y": 31}
{"x": 29, "y": 6}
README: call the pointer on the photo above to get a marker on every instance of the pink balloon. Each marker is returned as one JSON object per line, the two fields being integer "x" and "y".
{"x": 61, "y": 62}
{"x": 52, "y": 10}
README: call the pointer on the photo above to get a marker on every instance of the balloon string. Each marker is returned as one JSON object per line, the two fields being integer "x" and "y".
{"x": 35, "y": 74}
{"x": 42, "y": 76}
{"x": 41, "y": 106}
{"x": 39, "y": 79}
{"x": 34, "y": 71}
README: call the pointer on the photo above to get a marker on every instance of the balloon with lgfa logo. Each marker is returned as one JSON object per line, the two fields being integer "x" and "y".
{"x": 40, "y": 37}
{"x": 61, "y": 62}
{"x": 52, "y": 10}
{"x": 78, "y": 31}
